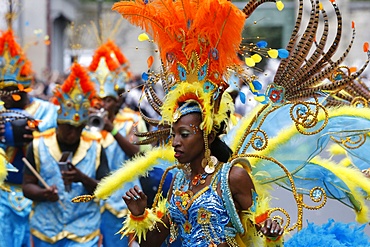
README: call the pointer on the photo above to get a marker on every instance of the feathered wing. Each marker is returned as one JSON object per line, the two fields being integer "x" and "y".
{"x": 304, "y": 72}
{"x": 287, "y": 139}
{"x": 283, "y": 151}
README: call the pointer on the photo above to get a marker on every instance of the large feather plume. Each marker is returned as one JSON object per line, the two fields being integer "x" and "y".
{"x": 182, "y": 27}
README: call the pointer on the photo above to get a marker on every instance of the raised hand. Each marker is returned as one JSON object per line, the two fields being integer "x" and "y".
{"x": 272, "y": 228}
{"x": 135, "y": 200}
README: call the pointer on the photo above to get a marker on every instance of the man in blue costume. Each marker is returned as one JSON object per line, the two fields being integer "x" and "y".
{"x": 15, "y": 80}
{"x": 56, "y": 221}
{"x": 108, "y": 71}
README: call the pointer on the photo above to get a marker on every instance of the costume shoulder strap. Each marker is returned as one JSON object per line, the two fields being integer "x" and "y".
{"x": 228, "y": 199}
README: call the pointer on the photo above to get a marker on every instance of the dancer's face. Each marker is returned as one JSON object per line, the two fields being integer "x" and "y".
{"x": 187, "y": 139}
{"x": 69, "y": 134}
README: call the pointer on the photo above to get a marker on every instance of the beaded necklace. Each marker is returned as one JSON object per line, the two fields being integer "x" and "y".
{"x": 198, "y": 179}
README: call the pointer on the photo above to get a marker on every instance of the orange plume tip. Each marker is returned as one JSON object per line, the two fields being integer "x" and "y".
{"x": 333, "y": 1}
{"x": 20, "y": 87}
{"x": 104, "y": 51}
{"x": 366, "y": 47}
{"x": 353, "y": 24}
{"x": 150, "y": 61}
{"x": 33, "y": 123}
{"x": 16, "y": 97}
{"x": 353, "y": 69}
{"x": 77, "y": 71}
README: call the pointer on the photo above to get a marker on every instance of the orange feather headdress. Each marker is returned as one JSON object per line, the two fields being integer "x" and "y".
{"x": 108, "y": 70}
{"x": 75, "y": 97}
{"x": 198, "y": 41}
{"x": 14, "y": 67}
{"x": 210, "y": 29}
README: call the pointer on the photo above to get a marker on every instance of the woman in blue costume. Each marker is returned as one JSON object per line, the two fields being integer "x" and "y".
{"x": 202, "y": 197}
{"x": 212, "y": 200}
{"x": 194, "y": 56}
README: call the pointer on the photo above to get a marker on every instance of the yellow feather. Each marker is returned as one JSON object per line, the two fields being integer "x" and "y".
{"x": 132, "y": 169}
{"x": 3, "y": 162}
{"x": 345, "y": 162}
{"x": 348, "y": 111}
{"x": 354, "y": 180}
{"x": 140, "y": 227}
{"x": 336, "y": 149}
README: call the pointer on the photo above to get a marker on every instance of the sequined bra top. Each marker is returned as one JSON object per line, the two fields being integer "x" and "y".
{"x": 201, "y": 219}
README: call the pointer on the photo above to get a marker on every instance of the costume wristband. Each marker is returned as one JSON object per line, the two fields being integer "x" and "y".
{"x": 140, "y": 225}
{"x": 114, "y": 131}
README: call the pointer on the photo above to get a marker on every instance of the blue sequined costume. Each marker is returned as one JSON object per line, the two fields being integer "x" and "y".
{"x": 202, "y": 218}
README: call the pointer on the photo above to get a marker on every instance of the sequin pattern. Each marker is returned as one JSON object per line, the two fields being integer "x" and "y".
{"x": 201, "y": 218}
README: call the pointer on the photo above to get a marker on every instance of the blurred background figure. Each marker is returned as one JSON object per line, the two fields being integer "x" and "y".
{"x": 15, "y": 80}
{"x": 116, "y": 126}
{"x": 56, "y": 220}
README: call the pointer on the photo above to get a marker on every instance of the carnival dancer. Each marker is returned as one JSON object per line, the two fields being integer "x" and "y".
{"x": 71, "y": 161}
{"x": 196, "y": 58}
{"x": 15, "y": 81}
{"x": 109, "y": 72}
{"x": 210, "y": 190}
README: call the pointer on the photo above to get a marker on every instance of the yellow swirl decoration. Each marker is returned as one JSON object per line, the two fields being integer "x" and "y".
{"x": 259, "y": 139}
{"x": 359, "y": 102}
{"x": 279, "y": 218}
{"x": 305, "y": 116}
{"x": 351, "y": 142}
{"x": 317, "y": 194}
